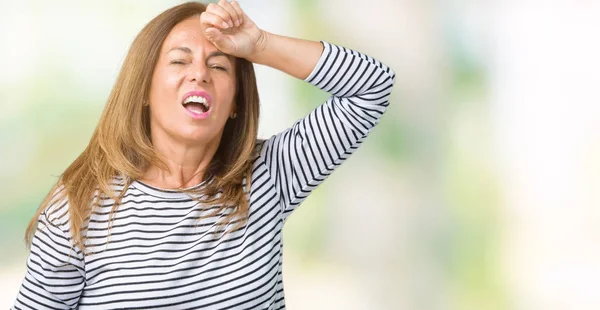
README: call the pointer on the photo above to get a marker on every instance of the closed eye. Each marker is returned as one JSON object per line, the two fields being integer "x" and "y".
{"x": 219, "y": 68}
{"x": 178, "y": 62}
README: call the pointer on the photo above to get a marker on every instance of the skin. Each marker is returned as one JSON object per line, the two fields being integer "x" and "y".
{"x": 192, "y": 59}
{"x": 188, "y": 62}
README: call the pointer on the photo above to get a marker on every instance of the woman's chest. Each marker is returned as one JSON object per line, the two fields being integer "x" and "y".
{"x": 181, "y": 259}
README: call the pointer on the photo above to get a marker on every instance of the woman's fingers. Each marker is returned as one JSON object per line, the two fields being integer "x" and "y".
{"x": 213, "y": 25}
{"x": 209, "y": 19}
{"x": 221, "y": 11}
{"x": 240, "y": 13}
{"x": 231, "y": 11}
{"x": 227, "y": 27}
{"x": 219, "y": 40}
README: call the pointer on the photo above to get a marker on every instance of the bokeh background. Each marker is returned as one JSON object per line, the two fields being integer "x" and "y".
{"x": 478, "y": 190}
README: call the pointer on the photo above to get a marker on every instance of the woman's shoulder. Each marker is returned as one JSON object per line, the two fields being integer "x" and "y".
{"x": 56, "y": 205}
{"x": 56, "y": 210}
{"x": 259, "y": 145}
{"x": 258, "y": 148}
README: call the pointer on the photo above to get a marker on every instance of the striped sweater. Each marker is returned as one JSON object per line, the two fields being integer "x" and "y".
{"x": 158, "y": 255}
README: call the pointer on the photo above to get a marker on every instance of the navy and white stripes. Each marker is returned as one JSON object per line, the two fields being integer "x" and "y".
{"x": 158, "y": 255}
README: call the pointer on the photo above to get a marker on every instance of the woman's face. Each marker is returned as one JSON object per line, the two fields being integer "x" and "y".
{"x": 192, "y": 90}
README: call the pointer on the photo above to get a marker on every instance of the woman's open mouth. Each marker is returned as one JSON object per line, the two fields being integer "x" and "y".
{"x": 197, "y": 104}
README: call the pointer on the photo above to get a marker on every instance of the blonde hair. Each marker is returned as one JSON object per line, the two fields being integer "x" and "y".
{"x": 121, "y": 146}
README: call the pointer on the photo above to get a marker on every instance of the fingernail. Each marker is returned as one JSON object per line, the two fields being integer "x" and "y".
{"x": 225, "y": 25}
{"x": 237, "y": 23}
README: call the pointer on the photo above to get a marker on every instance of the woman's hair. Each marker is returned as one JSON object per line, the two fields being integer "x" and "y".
{"x": 121, "y": 148}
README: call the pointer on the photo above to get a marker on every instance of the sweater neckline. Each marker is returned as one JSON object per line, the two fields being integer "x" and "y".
{"x": 165, "y": 192}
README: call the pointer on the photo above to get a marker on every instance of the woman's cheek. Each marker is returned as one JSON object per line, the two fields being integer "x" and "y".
{"x": 174, "y": 79}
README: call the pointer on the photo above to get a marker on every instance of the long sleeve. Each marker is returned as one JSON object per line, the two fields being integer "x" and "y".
{"x": 55, "y": 270}
{"x": 301, "y": 157}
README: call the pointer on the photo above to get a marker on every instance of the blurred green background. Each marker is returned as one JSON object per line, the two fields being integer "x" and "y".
{"x": 478, "y": 190}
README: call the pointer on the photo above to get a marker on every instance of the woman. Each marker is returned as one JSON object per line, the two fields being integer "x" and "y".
{"x": 175, "y": 203}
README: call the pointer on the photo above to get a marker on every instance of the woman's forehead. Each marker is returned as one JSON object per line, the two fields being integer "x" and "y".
{"x": 187, "y": 33}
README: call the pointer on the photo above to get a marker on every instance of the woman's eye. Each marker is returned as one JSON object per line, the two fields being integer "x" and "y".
{"x": 219, "y": 67}
{"x": 178, "y": 62}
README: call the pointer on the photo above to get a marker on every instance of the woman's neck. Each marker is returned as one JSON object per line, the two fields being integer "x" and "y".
{"x": 186, "y": 166}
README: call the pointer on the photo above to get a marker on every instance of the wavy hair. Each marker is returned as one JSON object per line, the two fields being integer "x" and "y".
{"x": 121, "y": 147}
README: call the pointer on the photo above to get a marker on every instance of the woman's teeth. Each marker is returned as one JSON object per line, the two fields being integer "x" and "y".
{"x": 196, "y": 104}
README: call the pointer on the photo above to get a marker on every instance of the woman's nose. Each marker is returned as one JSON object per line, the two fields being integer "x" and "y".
{"x": 199, "y": 73}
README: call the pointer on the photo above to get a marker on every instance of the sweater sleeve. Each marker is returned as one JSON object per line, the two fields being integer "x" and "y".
{"x": 301, "y": 157}
{"x": 55, "y": 274}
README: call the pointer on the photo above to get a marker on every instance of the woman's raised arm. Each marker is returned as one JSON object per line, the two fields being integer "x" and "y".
{"x": 301, "y": 157}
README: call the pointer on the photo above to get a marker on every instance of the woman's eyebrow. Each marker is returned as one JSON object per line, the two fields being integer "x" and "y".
{"x": 181, "y": 48}
{"x": 187, "y": 50}
{"x": 216, "y": 53}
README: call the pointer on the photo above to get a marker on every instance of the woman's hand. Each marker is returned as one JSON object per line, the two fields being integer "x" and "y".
{"x": 227, "y": 27}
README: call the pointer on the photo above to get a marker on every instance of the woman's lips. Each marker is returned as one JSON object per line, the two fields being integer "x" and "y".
{"x": 193, "y": 109}
{"x": 196, "y": 115}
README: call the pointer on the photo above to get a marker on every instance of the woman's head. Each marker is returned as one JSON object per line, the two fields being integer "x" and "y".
{"x": 168, "y": 60}
{"x": 193, "y": 88}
